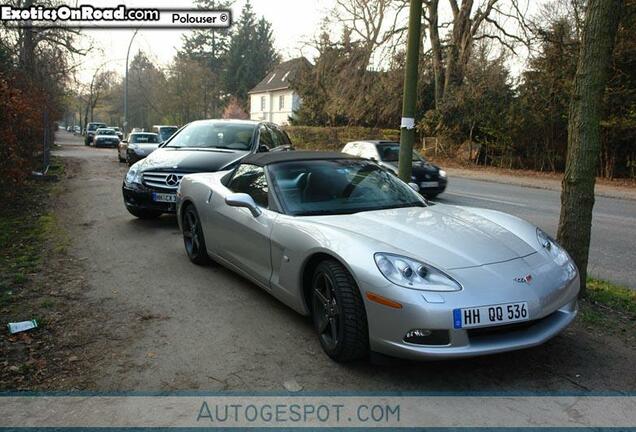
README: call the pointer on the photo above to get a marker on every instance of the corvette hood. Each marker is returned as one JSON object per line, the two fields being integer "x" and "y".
{"x": 445, "y": 236}
{"x": 190, "y": 160}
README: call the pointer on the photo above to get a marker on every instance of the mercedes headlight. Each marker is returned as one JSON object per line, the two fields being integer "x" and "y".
{"x": 134, "y": 175}
{"x": 409, "y": 273}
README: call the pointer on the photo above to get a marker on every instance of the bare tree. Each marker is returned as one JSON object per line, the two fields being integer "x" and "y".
{"x": 467, "y": 26}
{"x": 374, "y": 23}
{"x": 584, "y": 143}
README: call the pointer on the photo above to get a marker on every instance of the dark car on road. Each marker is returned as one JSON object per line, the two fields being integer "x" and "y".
{"x": 150, "y": 186}
{"x": 105, "y": 137}
{"x": 91, "y": 128}
{"x": 140, "y": 145}
{"x": 430, "y": 179}
{"x": 164, "y": 131}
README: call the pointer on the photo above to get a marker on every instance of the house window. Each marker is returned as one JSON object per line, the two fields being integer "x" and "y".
{"x": 262, "y": 103}
{"x": 281, "y": 102}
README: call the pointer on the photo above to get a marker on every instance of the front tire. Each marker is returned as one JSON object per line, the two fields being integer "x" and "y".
{"x": 338, "y": 313}
{"x": 143, "y": 213}
{"x": 193, "y": 237}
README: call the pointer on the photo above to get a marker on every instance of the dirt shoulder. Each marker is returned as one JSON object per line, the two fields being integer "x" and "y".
{"x": 622, "y": 189}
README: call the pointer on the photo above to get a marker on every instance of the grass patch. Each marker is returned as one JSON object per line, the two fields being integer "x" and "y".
{"x": 618, "y": 298}
{"x": 609, "y": 308}
{"x": 25, "y": 225}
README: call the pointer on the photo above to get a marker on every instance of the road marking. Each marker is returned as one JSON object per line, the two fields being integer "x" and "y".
{"x": 481, "y": 197}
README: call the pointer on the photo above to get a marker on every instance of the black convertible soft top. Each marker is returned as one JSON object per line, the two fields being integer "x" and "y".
{"x": 267, "y": 158}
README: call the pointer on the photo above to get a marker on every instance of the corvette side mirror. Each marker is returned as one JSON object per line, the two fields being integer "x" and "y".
{"x": 414, "y": 186}
{"x": 243, "y": 200}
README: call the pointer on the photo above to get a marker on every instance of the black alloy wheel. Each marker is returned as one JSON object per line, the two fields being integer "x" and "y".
{"x": 193, "y": 237}
{"x": 338, "y": 313}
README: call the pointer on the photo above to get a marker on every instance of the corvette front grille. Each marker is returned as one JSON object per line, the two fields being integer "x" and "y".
{"x": 160, "y": 179}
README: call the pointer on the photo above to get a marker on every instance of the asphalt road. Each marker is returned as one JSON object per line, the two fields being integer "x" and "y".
{"x": 184, "y": 327}
{"x": 613, "y": 246}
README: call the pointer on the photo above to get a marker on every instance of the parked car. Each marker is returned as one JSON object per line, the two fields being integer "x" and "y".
{"x": 164, "y": 131}
{"x": 150, "y": 186}
{"x": 106, "y": 137}
{"x": 341, "y": 239}
{"x": 140, "y": 145}
{"x": 77, "y": 130}
{"x": 118, "y": 131}
{"x": 91, "y": 128}
{"x": 430, "y": 179}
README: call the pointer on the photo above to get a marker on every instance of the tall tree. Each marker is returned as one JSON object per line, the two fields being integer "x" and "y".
{"x": 468, "y": 24}
{"x": 250, "y": 56}
{"x": 373, "y": 23}
{"x": 584, "y": 144}
{"x": 209, "y": 47}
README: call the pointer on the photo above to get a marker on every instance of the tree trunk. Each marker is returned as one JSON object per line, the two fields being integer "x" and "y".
{"x": 577, "y": 196}
{"x": 436, "y": 47}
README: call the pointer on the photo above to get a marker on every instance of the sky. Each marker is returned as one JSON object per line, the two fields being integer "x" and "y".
{"x": 294, "y": 22}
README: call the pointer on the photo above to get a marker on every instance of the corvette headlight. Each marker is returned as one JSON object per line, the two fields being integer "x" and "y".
{"x": 134, "y": 175}
{"x": 409, "y": 273}
{"x": 442, "y": 173}
{"x": 558, "y": 254}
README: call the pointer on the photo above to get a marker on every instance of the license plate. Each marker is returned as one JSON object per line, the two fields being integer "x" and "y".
{"x": 484, "y": 316}
{"x": 164, "y": 197}
{"x": 429, "y": 184}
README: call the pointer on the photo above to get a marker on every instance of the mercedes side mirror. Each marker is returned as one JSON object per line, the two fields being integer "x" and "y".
{"x": 243, "y": 200}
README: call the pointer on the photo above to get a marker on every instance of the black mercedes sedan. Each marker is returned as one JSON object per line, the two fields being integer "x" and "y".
{"x": 150, "y": 186}
{"x": 430, "y": 179}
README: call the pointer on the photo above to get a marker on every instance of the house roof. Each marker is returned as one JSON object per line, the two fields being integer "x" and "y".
{"x": 279, "y": 77}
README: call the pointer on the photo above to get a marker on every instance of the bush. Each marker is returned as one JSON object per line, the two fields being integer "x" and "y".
{"x": 334, "y": 138}
{"x": 21, "y": 114}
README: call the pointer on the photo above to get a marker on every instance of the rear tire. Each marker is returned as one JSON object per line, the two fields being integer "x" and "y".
{"x": 193, "y": 239}
{"x": 143, "y": 213}
{"x": 338, "y": 313}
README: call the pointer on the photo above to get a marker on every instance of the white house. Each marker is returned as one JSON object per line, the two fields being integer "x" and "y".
{"x": 272, "y": 99}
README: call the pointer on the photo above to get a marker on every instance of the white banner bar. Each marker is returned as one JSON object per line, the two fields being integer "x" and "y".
{"x": 318, "y": 411}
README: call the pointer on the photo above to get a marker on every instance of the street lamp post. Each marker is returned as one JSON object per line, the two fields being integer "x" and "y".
{"x": 126, "y": 84}
{"x": 407, "y": 127}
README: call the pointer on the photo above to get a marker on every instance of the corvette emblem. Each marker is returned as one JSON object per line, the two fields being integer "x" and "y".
{"x": 525, "y": 279}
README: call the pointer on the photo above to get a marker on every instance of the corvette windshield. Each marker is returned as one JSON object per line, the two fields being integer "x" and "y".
{"x": 214, "y": 135}
{"x": 326, "y": 187}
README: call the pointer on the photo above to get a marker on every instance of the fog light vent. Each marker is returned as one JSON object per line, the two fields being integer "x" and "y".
{"x": 427, "y": 337}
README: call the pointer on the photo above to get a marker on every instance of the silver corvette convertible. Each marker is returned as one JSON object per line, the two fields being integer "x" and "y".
{"x": 376, "y": 267}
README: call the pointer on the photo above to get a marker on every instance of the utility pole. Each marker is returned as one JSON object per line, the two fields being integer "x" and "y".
{"x": 126, "y": 85}
{"x": 407, "y": 126}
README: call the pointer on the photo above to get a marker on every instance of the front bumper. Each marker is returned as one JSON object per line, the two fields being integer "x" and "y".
{"x": 434, "y": 311}
{"x": 141, "y": 198}
{"x": 132, "y": 156}
{"x": 432, "y": 190}
{"x": 100, "y": 143}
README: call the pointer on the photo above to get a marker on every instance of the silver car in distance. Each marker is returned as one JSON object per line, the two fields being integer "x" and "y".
{"x": 379, "y": 269}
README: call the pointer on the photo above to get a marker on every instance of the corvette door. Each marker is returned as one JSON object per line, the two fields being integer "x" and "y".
{"x": 242, "y": 239}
